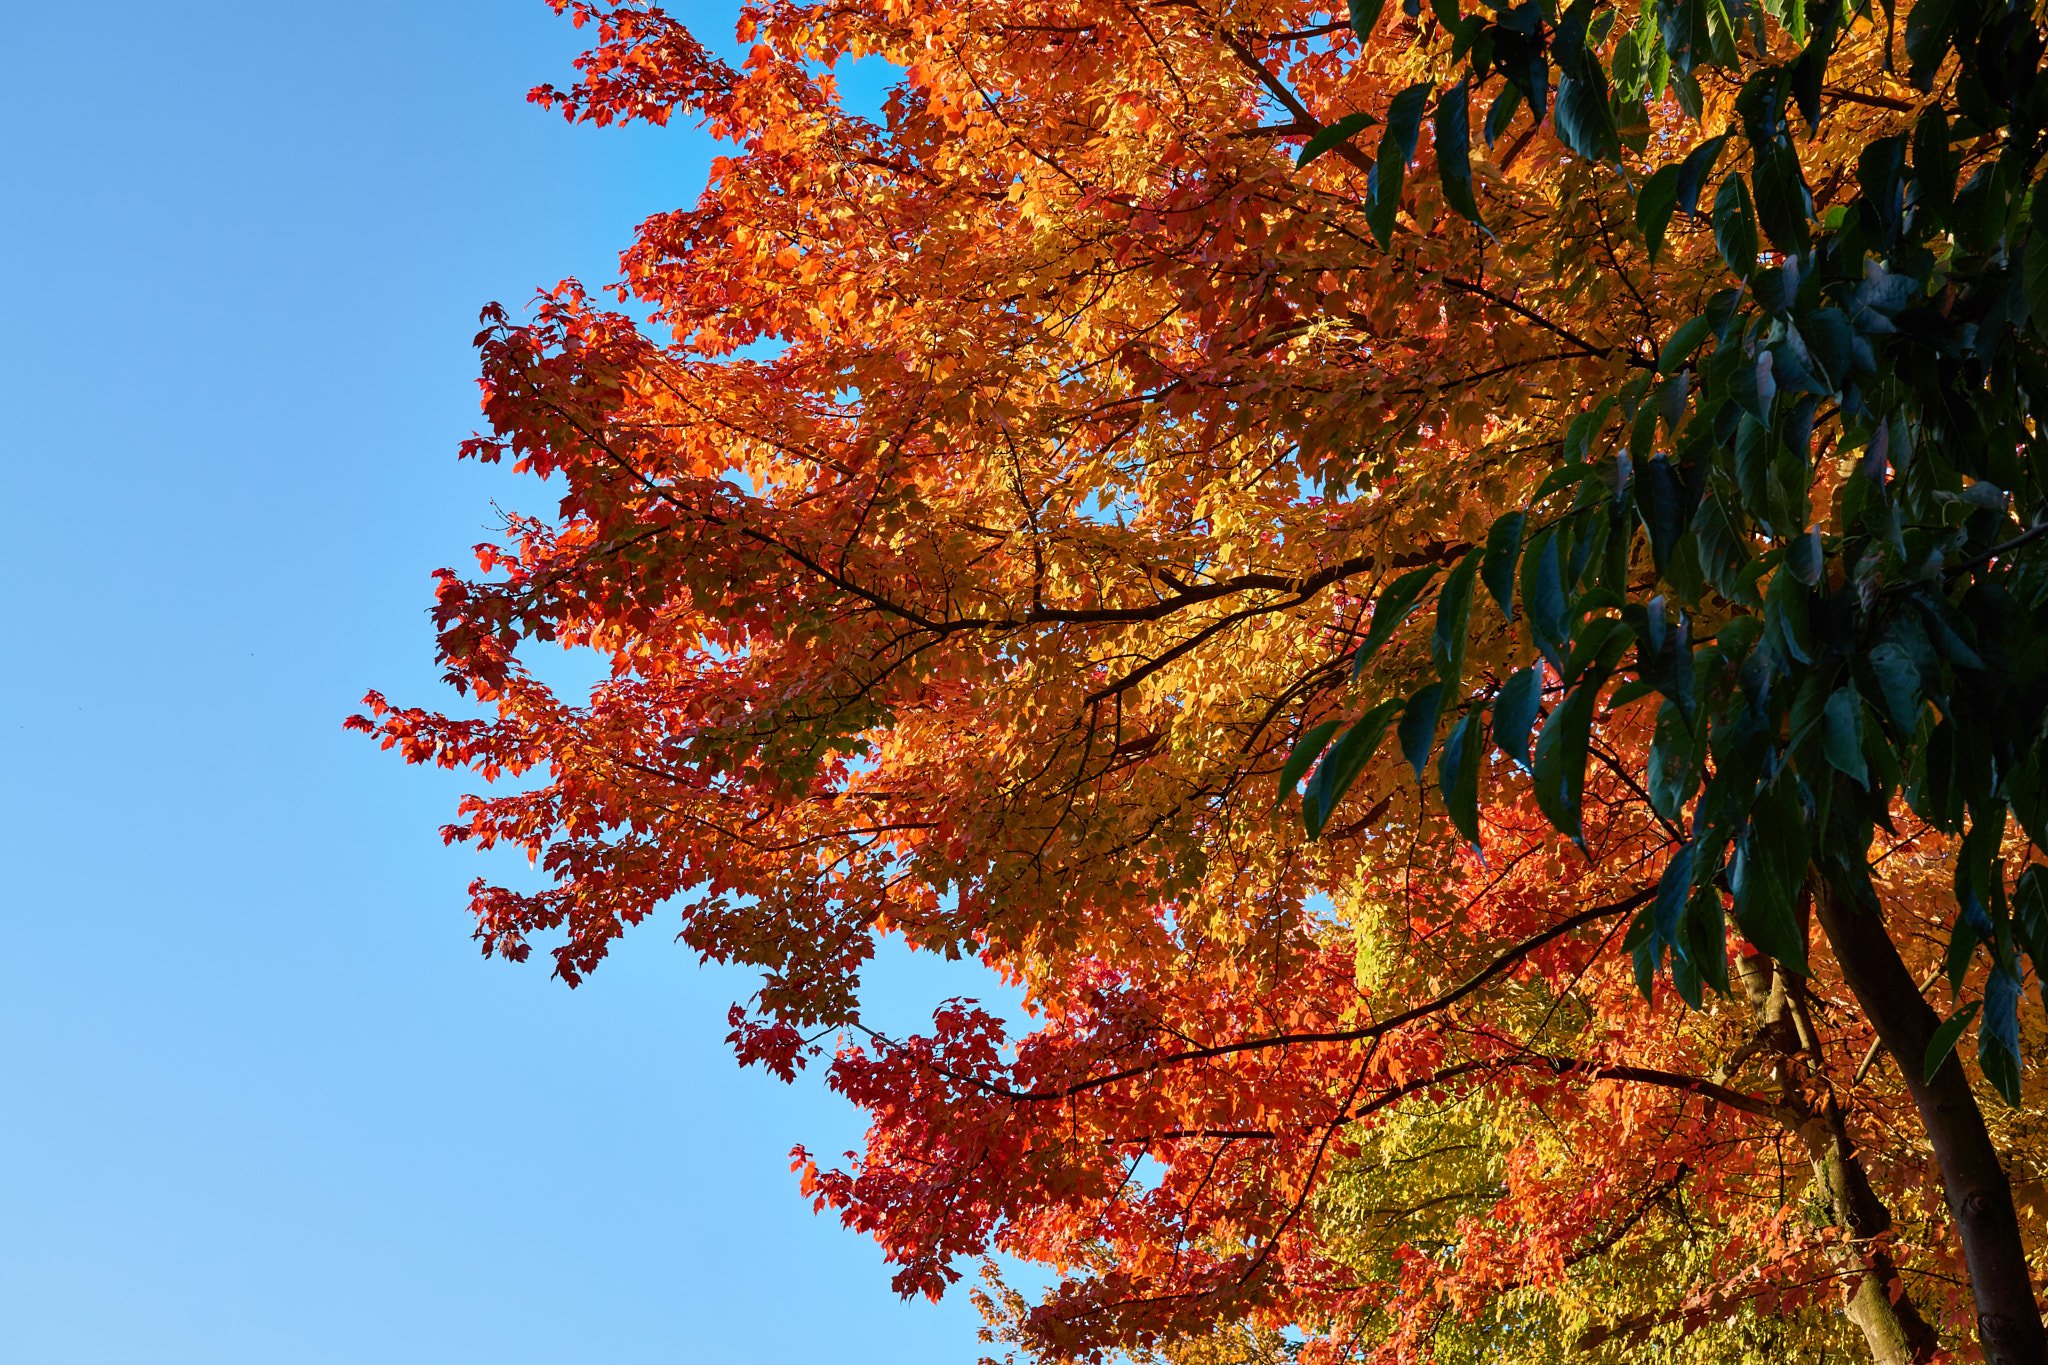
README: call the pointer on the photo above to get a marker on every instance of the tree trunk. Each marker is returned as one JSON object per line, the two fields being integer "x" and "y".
{"x": 1890, "y": 1321}
{"x": 1979, "y": 1194}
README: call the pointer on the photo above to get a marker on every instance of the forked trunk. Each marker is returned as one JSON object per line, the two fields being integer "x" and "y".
{"x": 1979, "y": 1193}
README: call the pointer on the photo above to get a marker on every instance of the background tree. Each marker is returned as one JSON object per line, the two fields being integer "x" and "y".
{"x": 1112, "y": 382}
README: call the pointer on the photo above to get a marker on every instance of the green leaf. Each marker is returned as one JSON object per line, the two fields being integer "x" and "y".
{"x": 1693, "y": 171}
{"x": 1683, "y": 26}
{"x": 1342, "y": 765}
{"x": 1497, "y": 571}
{"x": 1453, "y": 137}
{"x": 1501, "y": 113}
{"x": 1684, "y": 341}
{"x": 1543, "y": 591}
{"x": 1928, "y": 25}
{"x": 1560, "y": 765}
{"x": 1842, "y": 735}
{"x": 1674, "y": 889}
{"x": 2034, "y": 270}
{"x": 1660, "y": 498}
{"x": 1333, "y": 135}
{"x": 1898, "y": 677}
{"x": 1831, "y": 342}
{"x": 1514, "y": 713}
{"x": 1782, "y": 200}
{"x": 1810, "y": 67}
{"x": 1305, "y": 751}
{"x": 1944, "y": 1040}
{"x": 1767, "y": 873}
{"x": 1675, "y": 755}
{"x": 1735, "y": 226}
{"x": 1453, "y": 621}
{"x": 1417, "y": 730}
{"x": 1706, "y": 937}
{"x": 1457, "y": 773}
{"x": 1998, "y": 1036}
{"x": 1655, "y": 203}
{"x": 1396, "y": 150}
{"x": 1365, "y": 14}
{"x": 1390, "y": 610}
{"x": 1934, "y": 164}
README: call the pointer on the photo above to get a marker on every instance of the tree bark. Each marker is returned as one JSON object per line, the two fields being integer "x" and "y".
{"x": 1892, "y": 1325}
{"x": 1978, "y": 1190}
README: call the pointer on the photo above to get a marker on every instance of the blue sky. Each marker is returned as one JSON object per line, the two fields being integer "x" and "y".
{"x": 262, "y": 1101}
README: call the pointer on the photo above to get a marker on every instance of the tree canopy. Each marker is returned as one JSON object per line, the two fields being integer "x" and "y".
{"x": 1618, "y": 507}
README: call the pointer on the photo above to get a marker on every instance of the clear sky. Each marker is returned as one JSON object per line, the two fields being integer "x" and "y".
{"x": 260, "y": 1100}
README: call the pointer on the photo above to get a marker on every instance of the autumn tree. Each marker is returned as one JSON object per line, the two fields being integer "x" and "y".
{"x": 1618, "y": 505}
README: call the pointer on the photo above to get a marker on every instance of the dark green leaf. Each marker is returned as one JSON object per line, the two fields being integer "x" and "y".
{"x": 1305, "y": 751}
{"x": 1674, "y": 889}
{"x": 1341, "y": 767}
{"x": 1693, "y": 172}
{"x": 1684, "y": 341}
{"x": 1453, "y": 136}
{"x": 1928, "y": 25}
{"x": 1899, "y": 678}
{"x": 1735, "y": 226}
{"x": 1706, "y": 937}
{"x": 1365, "y": 14}
{"x": 1396, "y": 150}
{"x": 1683, "y": 25}
{"x": 1842, "y": 735}
{"x": 1501, "y": 113}
{"x": 1333, "y": 135}
{"x": 1934, "y": 164}
{"x": 1457, "y": 773}
{"x": 1660, "y": 498}
{"x": 1655, "y": 203}
{"x": 1390, "y": 610}
{"x": 1768, "y": 870}
{"x": 1944, "y": 1040}
{"x": 1417, "y": 729}
{"x": 1543, "y": 592}
{"x": 1806, "y": 557}
{"x": 1830, "y": 342}
{"x": 1514, "y": 713}
{"x": 1675, "y": 756}
{"x": 1497, "y": 571}
{"x": 1560, "y": 765}
{"x": 2034, "y": 270}
{"x": 1998, "y": 1035}
{"x": 1782, "y": 200}
{"x": 1453, "y": 621}
{"x": 1810, "y": 68}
